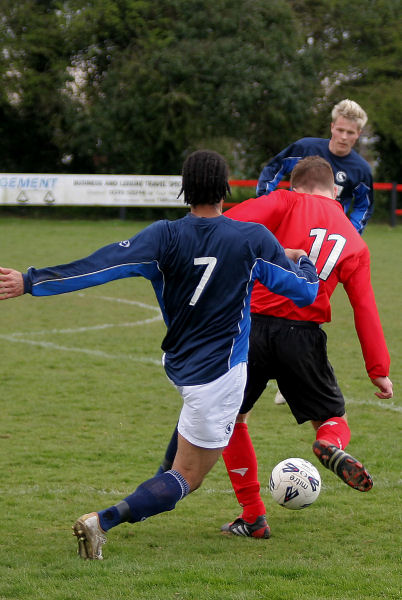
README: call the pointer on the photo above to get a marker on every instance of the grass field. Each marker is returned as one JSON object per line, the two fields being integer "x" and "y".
{"x": 87, "y": 412}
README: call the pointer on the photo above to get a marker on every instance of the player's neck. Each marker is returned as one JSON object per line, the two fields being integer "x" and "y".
{"x": 207, "y": 211}
{"x": 317, "y": 191}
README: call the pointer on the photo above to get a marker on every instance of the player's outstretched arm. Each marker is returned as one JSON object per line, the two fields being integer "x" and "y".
{"x": 385, "y": 386}
{"x": 11, "y": 283}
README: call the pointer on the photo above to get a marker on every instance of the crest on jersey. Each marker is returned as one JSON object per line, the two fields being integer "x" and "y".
{"x": 340, "y": 176}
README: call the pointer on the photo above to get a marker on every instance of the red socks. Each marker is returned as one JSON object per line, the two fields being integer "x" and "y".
{"x": 335, "y": 431}
{"x": 241, "y": 463}
{"x": 242, "y": 468}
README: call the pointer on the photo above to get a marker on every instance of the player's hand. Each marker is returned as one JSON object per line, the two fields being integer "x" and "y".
{"x": 385, "y": 386}
{"x": 11, "y": 283}
{"x": 294, "y": 254}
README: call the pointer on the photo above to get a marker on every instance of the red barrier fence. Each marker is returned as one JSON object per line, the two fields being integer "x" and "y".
{"x": 394, "y": 188}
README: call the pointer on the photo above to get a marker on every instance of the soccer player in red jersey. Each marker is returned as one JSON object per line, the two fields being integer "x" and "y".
{"x": 288, "y": 343}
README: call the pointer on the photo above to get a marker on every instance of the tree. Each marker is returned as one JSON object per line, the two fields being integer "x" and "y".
{"x": 33, "y": 61}
{"x": 361, "y": 43}
{"x": 131, "y": 86}
{"x": 187, "y": 74}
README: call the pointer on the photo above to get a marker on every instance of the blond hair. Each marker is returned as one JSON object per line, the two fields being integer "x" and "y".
{"x": 350, "y": 110}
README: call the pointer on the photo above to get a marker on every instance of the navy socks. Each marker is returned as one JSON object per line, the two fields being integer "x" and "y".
{"x": 169, "y": 454}
{"x": 159, "y": 494}
{"x": 110, "y": 517}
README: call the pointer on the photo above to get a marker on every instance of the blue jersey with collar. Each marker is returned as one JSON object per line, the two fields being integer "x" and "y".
{"x": 202, "y": 271}
{"x": 352, "y": 176}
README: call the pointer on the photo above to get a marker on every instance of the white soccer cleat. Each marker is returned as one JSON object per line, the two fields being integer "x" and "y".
{"x": 279, "y": 399}
{"x": 90, "y": 536}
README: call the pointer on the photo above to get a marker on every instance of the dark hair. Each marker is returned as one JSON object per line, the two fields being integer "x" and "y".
{"x": 312, "y": 171}
{"x": 205, "y": 178}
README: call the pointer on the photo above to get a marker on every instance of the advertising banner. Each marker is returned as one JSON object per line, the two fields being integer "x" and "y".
{"x": 89, "y": 190}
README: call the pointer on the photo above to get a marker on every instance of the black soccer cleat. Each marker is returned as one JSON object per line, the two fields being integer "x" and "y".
{"x": 258, "y": 529}
{"x": 349, "y": 469}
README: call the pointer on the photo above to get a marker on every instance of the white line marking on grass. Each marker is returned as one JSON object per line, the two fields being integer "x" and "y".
{"x": 21, "y": 337}
{"x": 89, "y": 328}
{"x": 36, "y": 490}
{"x": 330, "y": 484}
{"x": 10, "y": 338}
{"x": 159, "y": 317}
{"x": 124, "y": 301}
{"x": 378, "y": 403}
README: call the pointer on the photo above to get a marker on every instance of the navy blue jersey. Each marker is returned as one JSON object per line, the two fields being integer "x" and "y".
{"x": 202, "y": 271}
{"x": 352, "y": 175}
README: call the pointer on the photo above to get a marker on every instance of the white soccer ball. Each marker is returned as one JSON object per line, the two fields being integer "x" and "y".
{"x": 295, "y": 483}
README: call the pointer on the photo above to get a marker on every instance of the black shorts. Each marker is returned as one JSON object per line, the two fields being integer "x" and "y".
{"x": 295, "y": 354}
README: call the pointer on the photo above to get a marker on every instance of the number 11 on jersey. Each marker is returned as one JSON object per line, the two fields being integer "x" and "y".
{"x": 320, "y": 237}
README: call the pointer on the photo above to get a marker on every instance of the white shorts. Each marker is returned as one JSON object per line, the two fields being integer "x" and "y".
{"x": 209, "y": 411}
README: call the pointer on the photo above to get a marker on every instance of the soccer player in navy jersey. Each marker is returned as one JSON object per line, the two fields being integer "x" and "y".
{"x": 352, "y": 174}
{"x": 202, "y": 268}
{"x": 288, "y": 344}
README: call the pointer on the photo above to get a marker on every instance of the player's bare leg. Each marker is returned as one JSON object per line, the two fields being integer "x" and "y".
{"x": 194, "y": 462}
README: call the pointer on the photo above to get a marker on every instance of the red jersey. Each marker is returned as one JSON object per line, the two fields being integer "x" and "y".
{"x": 319, "y": 226}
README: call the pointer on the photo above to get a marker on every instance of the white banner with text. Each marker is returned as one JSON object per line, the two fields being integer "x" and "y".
{"x": 89, "y": 190}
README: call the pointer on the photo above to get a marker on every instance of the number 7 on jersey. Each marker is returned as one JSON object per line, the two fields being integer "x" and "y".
{"x": 210, "y": 262}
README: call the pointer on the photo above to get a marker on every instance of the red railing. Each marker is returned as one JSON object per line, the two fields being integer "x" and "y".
{"x": 394, "y": 188}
